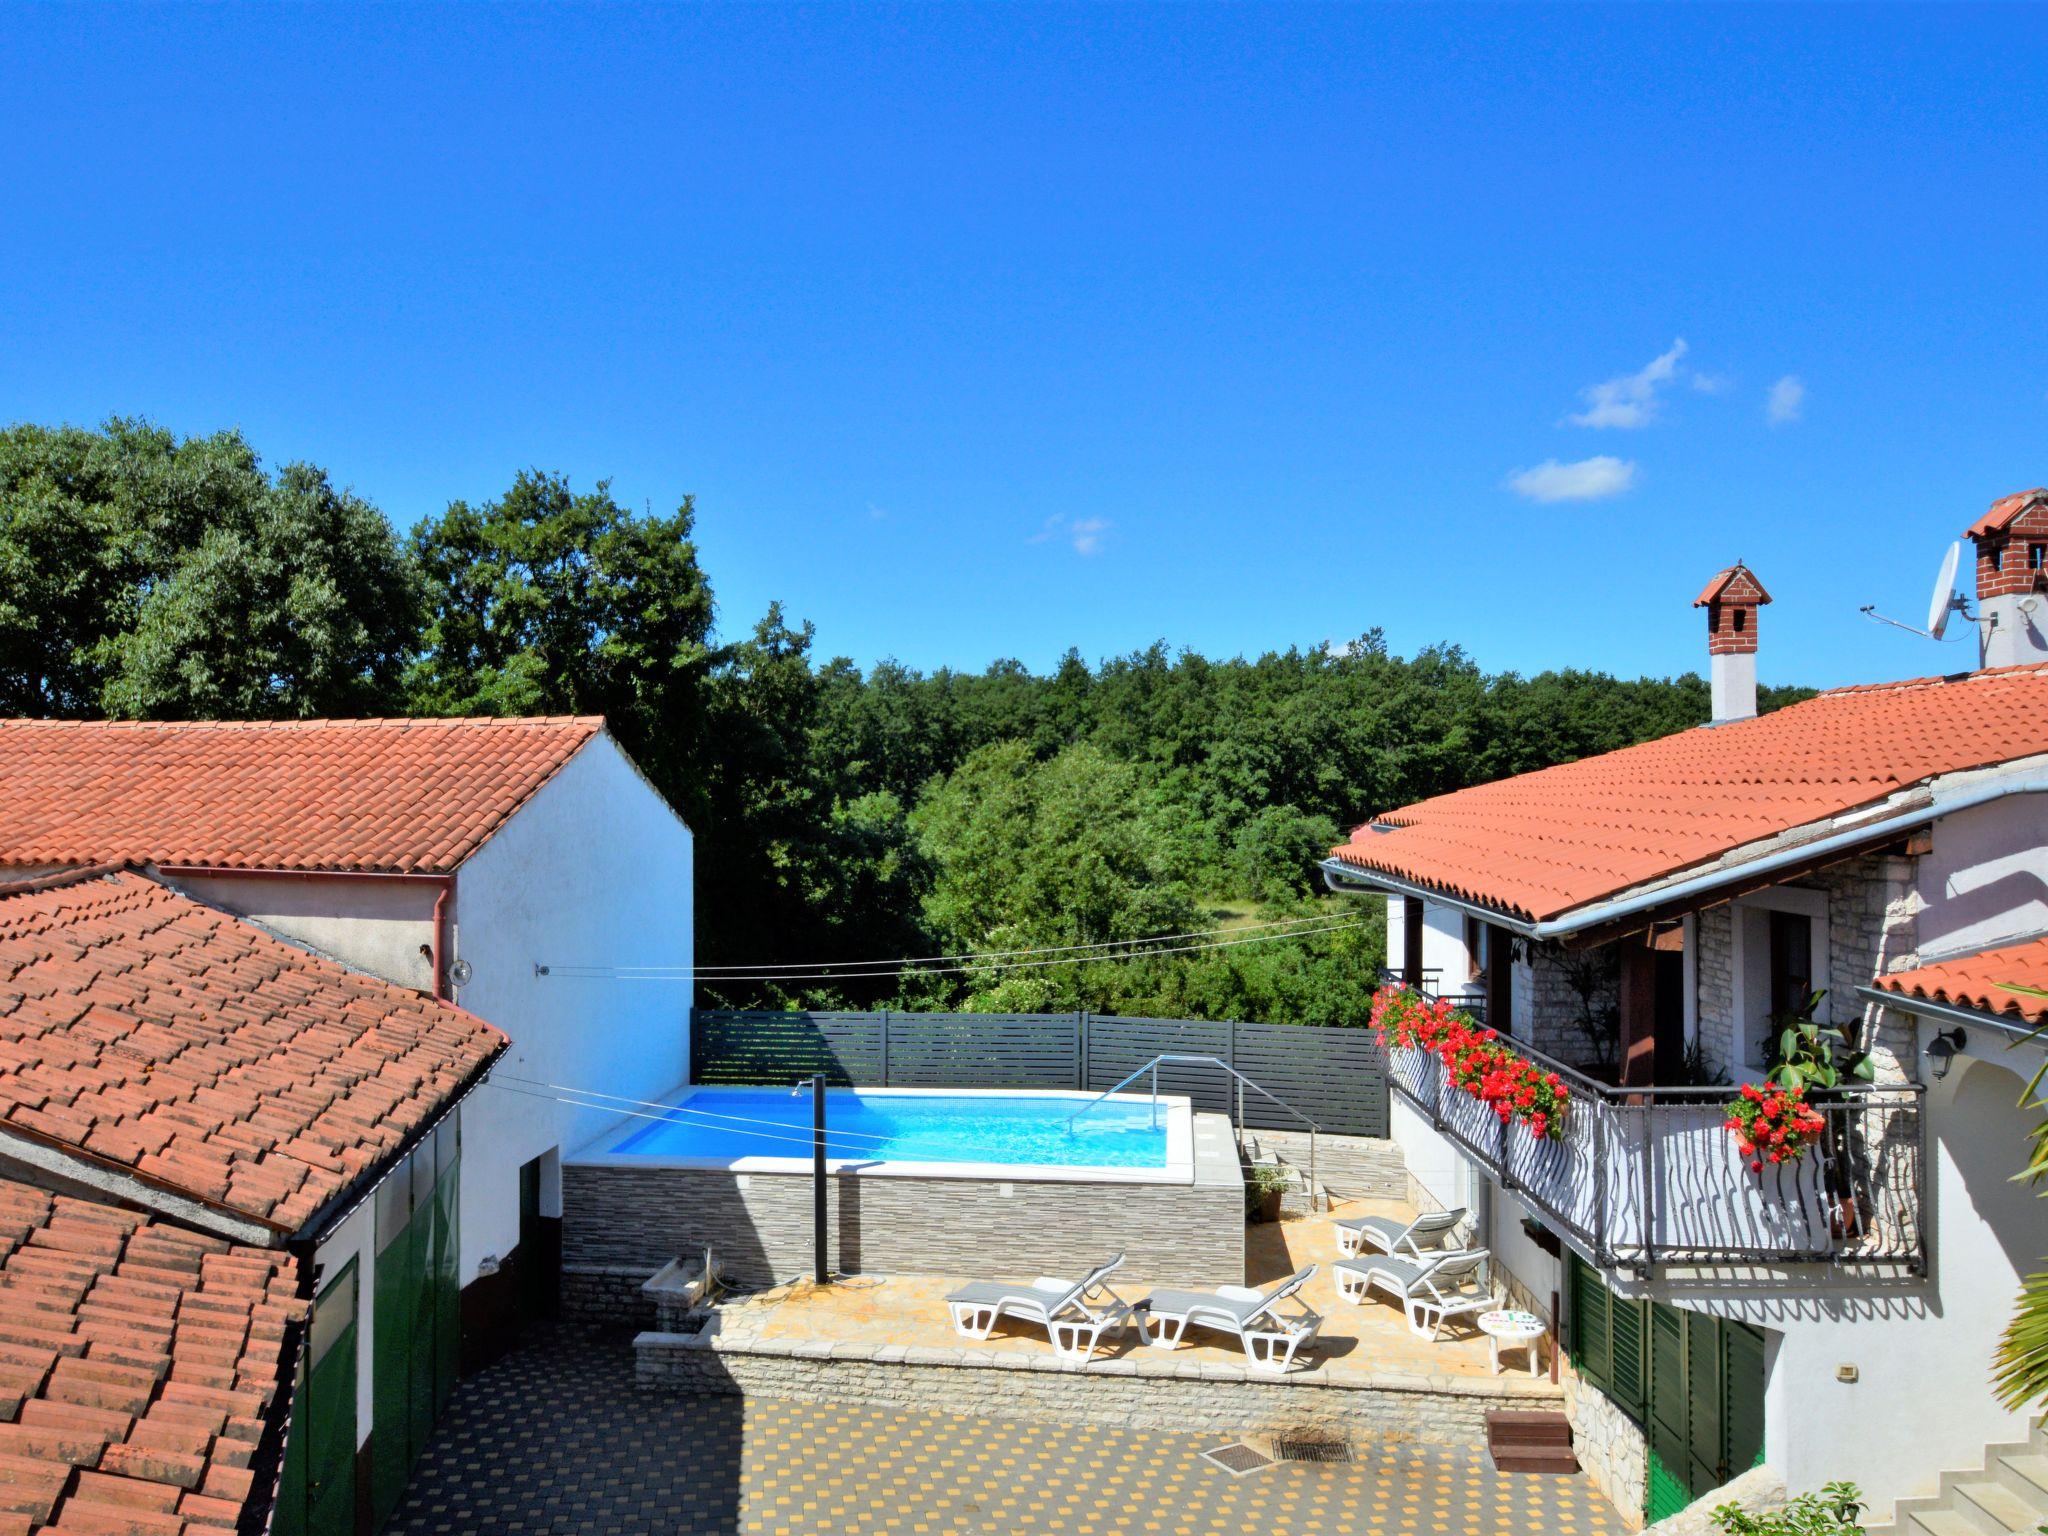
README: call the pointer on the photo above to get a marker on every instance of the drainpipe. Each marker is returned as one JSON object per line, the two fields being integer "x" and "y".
{"x": 443, "y": 901}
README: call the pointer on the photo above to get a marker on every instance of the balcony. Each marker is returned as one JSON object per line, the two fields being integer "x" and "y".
{"x": 1650, "y": 1177}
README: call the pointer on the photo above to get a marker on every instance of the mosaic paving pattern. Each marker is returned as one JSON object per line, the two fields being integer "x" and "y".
{"x": 559, "y": 1439}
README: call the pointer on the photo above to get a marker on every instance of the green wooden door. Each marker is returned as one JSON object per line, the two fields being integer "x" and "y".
{"x": 418, "y": 1309}
{"x": 317, "y": 1492}
{"x": 391, "y": 1343}
{"x": 447, "y": 1261}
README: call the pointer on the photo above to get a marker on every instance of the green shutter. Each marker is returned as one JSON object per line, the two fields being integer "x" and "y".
{"x": 1627, "y": 1379}
{"x": 1665, "y": 1425}
{"x": 1705, "y": 1470}
{"x": 1592, "y": 1328}
{"x": 391, "y": 1342}
{"x": 1742, "y": 1412}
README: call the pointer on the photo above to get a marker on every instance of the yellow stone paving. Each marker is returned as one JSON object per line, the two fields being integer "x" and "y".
{"x": 908, "y": 1310}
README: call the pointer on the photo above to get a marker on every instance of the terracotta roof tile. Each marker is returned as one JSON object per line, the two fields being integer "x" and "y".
{"x": 146, "y": 1029}
{"x": 1983, "y": 981}
{"x": 2004, "y": 510}
{"x": 1544, "y": 843}
{"x": 387, "y": 795}
{"x": 1738, "y": 584}
{"x": 96, "y": 1440}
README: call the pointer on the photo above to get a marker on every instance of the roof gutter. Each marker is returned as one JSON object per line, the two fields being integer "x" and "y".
{"x": 2021, "y": 1031}
{"x": 1729, "y": 868}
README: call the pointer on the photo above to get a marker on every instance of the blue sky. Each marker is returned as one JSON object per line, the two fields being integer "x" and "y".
{"x": 987, "y": 332}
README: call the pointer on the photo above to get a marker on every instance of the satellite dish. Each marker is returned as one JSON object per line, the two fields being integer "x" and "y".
{"x": 1944, "y": 603}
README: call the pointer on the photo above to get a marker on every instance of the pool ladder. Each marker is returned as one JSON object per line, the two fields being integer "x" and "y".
{"x": 1240, "y": 1081}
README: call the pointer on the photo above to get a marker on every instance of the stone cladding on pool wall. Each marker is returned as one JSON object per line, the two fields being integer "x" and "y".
{"x": 758, "y": 1225}
{"x": 1138, "y": 1391}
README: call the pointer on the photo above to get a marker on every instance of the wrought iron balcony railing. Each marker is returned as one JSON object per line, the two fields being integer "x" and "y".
{"x": 1649, "y": 1177}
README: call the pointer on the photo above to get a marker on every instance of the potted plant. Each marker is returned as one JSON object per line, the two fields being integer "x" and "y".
{"x": 1810, "y": 1064}
{"x": 1264, "y": 1186}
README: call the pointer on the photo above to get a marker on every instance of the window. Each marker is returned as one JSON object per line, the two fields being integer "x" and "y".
{"x": 1997, "y": 557}
{"x": 2037, "y": 556}
{"x": 1475, "y": 946}
{"x": 1791, "y": 962}
{"x": 1781, "y": 959}
{"x": 1741, "y": 620}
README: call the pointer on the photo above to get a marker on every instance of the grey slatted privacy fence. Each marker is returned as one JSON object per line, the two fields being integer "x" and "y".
{"x": 1337, "y": 1077}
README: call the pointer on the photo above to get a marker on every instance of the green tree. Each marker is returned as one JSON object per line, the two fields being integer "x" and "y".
{"x": 550, "y": 601}
{"x": 142, "y": 574}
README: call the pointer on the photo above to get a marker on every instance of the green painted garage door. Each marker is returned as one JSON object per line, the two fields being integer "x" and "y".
{"x": 317, "y": 1492}
{"x": 416, "y": 1324}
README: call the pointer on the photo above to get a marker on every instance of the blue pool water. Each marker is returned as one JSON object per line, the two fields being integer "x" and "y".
{"x": 729, "y": 1123}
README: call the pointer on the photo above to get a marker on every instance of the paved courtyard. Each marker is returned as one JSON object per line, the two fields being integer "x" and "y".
{"x": 559, "y": 1438}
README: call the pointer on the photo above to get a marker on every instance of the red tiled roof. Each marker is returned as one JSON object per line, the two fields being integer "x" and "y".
{"x": 1983, "y": 981}
{"x": 2004, "y": 510}
{"x": 153, "y": 1033}
{"x": 1747, "y": 589}
{"x": 1544, "y": 843}
{"x": 140, "y": 1366}
{"x": 394, "y": 795}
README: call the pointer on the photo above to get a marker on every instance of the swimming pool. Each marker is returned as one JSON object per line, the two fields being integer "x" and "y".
{"x": 934, "y": 1132}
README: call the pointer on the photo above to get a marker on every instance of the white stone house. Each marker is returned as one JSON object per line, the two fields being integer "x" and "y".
{"x": 1638, "y": 920}
{"x": 474, "y": 859}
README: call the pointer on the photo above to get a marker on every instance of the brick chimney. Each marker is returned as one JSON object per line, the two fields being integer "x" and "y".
{"x": 1732, "y": 600}
{"x": 2012, "y": 579}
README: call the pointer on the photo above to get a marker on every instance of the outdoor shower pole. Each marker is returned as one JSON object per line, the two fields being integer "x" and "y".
{"x": 824, "y": 1270}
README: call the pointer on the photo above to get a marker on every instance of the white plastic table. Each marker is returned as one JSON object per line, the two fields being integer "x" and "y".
{"x": 1509, "y": 1329}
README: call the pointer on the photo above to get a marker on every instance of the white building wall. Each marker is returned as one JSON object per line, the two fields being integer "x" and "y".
{"x": 385, "y": 927}
{"x": 1986, "y": 881}
{"x": 595, "y": 871}
{"x": 1443, "y": 946}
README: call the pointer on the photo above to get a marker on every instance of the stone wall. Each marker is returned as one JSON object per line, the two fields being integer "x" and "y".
{"x": 1349, "y": 1167}
{"x": 1872, "y": 907}
{"x": 758, "y": 1225}
{"x": 607, "y": 1293}
{"x": 1547, "y": 1005}
{"x": 1133, "y": 1392}
{"x": 1610, "y": 1446}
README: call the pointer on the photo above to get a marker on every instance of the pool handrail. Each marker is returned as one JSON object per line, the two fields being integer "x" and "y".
{"x": 1178, "y": 1059}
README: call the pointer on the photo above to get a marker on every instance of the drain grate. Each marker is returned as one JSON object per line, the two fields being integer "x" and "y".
{"x": 1312, "y": 1450}
{"x": 1237, "y": 1459}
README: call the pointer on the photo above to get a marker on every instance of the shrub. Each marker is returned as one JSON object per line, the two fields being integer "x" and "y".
{"x": 1512, "y": 1086}
{"x": 1834, "y": 1511}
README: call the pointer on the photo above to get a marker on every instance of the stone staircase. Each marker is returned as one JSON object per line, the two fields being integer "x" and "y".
{"x": 1347, "y": 1167}
{"x": 2007, "y": 1496}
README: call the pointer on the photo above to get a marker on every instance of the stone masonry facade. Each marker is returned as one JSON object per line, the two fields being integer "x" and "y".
{"x": 1872, "y": 930}
{"x": 759, "y": 1225}
{"x": 1137, "y": 1393}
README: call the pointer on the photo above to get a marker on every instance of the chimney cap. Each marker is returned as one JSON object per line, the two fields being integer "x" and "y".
{"x": 1737, "y": 584}
{"x": 2005, "y": 511}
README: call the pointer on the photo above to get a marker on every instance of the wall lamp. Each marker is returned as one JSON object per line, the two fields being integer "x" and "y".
{"x": 1941, "y": 1050}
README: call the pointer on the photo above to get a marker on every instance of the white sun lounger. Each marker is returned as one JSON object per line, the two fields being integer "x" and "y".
{"x": 1270, "y": 1338}
{"x": 1074, "y": 1313}
{"x": 1432, "y": 1289}
{"x": 1433, "y": 1231}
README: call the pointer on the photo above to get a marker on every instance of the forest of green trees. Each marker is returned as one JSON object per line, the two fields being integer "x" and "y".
{"x": 841, "y": 815}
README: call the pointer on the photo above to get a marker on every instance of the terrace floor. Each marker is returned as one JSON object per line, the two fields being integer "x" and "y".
{"x": 1356, "y": 1341}
{"x": 557, "y": 1438}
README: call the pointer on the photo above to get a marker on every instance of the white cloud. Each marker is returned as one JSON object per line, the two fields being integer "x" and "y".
{"x": 1709, "y": 383}
{"x": 879, "y": 514}
{"x": 1785, "y": 400}
{"x": 1084, "y": 533}
{"x": 1631, "y": 400}
{"x": 1587, "y": 480}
